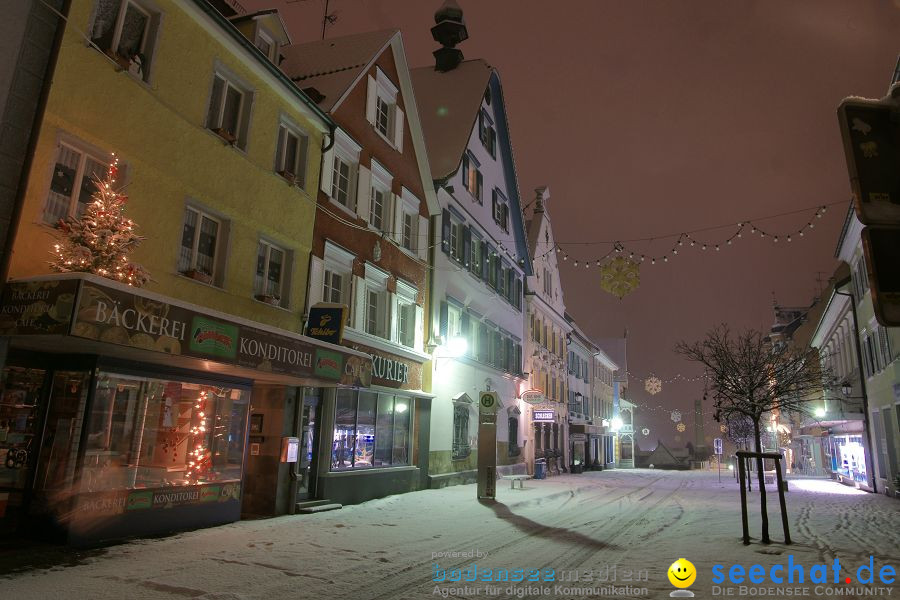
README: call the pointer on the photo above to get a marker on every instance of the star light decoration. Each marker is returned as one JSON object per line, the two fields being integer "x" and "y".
{"x": 681, "y": 427}
{"x": 620, "y": 276}
{"x": 645, "y": 431}
{"x": 653, "y": 385}
{"x": 676, "y": 416}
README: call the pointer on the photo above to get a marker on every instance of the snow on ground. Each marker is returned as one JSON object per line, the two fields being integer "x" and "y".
{"x": 631, "y": 519}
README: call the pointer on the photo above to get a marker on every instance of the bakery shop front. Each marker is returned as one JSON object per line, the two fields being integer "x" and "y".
{"x": 126, "y": 413}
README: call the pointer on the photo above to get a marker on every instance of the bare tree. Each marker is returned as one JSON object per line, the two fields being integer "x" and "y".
{"x": 749, "y": 377}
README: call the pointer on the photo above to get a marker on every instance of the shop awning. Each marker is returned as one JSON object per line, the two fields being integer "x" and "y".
{"x": 77, "y": 312}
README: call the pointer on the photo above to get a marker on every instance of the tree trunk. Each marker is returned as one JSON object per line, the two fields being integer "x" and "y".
{"x": 762, "y": 485}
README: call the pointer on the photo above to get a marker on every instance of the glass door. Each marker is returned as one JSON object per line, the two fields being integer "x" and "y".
{"x": 55, "y": 472}
{"x": 307, "y": 464}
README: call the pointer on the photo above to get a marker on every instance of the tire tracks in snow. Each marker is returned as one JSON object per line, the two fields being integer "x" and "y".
{"x": 411, "y": 577}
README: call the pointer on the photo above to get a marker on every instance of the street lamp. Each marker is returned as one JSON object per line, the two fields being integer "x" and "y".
{"x": 820, "y": 412}
{"x": 616, "y": 424}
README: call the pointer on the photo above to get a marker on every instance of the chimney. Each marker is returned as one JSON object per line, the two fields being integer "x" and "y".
{"x": 449, "y": 30}
{"x": 543, "y": 194}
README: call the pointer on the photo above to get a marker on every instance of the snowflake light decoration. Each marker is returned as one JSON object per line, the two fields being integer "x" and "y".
{"x": 680, "y": 427}
{"x": 653, "y": 385}
{"x": 645, "y": 431}
{"x": 620, "y": 276}
{"x": 676, "y": 416}
{"x": 723, "y": 428}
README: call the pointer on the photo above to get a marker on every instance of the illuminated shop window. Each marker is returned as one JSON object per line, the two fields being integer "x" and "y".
{"x": 370, "y": 430}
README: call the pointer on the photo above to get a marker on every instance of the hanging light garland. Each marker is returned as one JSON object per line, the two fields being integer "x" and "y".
{"x": 688, "y": 239}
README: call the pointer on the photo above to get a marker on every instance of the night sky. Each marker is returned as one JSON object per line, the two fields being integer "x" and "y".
{"x": 653, "y": 118}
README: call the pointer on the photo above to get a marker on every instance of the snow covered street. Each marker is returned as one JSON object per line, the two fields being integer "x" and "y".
{"x": 623, "y": 528}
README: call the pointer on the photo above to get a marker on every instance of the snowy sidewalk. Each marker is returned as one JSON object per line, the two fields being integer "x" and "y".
{"x": 634, "y": 521}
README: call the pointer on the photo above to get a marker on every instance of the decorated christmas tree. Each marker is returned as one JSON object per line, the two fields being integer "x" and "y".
{"x": 100, "y": 240}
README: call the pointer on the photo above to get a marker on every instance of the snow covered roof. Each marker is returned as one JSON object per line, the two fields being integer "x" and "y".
{"x": 332, "y": 66}
{"x": 615, "y": 349}
{"x": 449, "y": 104}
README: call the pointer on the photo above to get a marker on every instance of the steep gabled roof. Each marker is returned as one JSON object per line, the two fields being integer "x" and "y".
{"x": 449, "y": 103}
{"x": 332, "y": 66}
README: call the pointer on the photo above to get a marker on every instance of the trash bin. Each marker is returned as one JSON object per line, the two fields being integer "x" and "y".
{"x": 540, "y": 469}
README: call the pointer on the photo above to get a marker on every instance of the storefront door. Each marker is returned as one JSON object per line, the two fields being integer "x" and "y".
{"x": 55, "y": 471}
{"x": 309, "y": 439}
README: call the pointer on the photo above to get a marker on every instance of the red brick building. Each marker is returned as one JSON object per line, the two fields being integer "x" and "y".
{"x": 371, "y": 253}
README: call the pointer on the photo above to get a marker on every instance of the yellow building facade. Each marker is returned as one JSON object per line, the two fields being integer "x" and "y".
{"x": 132, "y": 411}
{"x": 157, "y": 124}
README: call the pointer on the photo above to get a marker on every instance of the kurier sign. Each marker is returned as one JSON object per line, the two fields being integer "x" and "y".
{"x": 116, "y": 316}
{"x": 391, "y": 370}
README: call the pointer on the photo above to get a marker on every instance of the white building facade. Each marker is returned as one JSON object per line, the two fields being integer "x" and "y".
{"x": 480, "y": 265}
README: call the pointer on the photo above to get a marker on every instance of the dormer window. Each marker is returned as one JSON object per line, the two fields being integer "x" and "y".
{"x": 266, "y": 43}
{"x": 383, "y": 110}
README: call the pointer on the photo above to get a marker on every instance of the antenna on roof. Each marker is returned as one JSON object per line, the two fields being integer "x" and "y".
{"x": 328, "y": 18}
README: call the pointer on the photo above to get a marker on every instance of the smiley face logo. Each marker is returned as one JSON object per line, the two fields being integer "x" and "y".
{"x": 682, "y": 573}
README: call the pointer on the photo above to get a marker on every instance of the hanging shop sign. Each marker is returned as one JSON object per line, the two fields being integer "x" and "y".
{"x": 547, "y": 416}
{"x": 90, "y": 309}
{"x": 533, "y": 396}
{"x": 326, "y": 322}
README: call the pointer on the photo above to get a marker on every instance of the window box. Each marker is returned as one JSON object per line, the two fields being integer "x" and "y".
{"x": 198, "y": 275}
{"x": 226, "y": 135}
{"x": 123, "y": 61}
{"x": 273, "y": 300}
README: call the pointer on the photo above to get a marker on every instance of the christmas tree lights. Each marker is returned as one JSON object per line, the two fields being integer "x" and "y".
{"x": 100, "y": 241}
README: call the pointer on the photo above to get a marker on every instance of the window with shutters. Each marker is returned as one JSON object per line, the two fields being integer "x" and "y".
{"x": 472, "y": 178}
{"x": 380, "y": 198}
{"x": 340, "y": 171}
{"x": 457, "y": 245}
{"x": 290, "y": 154}
{"x": 376, "y": 313}
{"x": 201, "y": 241}
{"x": 407, "y": 315}
{"x": 500, "y": 210}
{"x": 126, "y": 31}
{"x": 487, "y": 134}
{"x": 476, "y": 255}
{"x": 383, "y": 110}
{"x": 342, "y": 179}
{"x": 229, "y": 109}
{"x": 337, "y": 276}
{"x": 72, "y": 185}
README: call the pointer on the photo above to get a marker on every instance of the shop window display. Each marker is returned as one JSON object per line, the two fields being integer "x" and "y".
{"x": 19, "y": 398}
{"x": 144, "y": 432}
{"x": 370, "y": 430}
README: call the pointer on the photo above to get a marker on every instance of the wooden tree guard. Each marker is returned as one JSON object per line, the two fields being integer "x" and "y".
{"x": 778, "y": 480}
